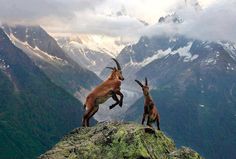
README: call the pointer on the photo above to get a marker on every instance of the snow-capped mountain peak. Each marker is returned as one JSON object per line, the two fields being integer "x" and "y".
{"x": 171, "y": 18}
{"x": 77, "y": 49}
{"x": 98, "y": 43}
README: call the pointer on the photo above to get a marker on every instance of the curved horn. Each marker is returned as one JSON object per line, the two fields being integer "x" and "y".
{"x": 139, "y": 83}
{"x": 110, "y": 68}
{"x": 146, "y": 81}
{"x": 117, "y": 63}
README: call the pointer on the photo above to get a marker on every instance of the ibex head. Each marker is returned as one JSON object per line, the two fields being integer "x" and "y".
{"x": 116, "y": 71}
{"x": 145, "y": 87}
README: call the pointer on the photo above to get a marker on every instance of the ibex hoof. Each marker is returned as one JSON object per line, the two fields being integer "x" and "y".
{"x": 111, "y": 107}
{"x": 120, "y": 104}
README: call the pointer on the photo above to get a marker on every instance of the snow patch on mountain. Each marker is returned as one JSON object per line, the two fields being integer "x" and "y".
{"x": 35, "y": 52}
{"x": 230, "y": 48}
{"x": 3, "y": 65}
{"x": 194, "y": 57}
{"x": 5, "y": 68}
{"x": 157, "y": 55}
{"x": 53, "y": 58}
{"x": 210, "y": 61}
{"x": 202, "y": 105}
{"x": 183, "y": 52}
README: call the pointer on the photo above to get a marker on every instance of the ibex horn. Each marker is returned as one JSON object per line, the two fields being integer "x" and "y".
{"x": 110, "y": 68}
{"x": 139, "y": 83}
{"x": 146, "y": 82}
{"x": 117, "y": 64}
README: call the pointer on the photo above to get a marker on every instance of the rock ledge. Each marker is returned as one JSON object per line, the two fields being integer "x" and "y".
{"x": 117, "y": 140}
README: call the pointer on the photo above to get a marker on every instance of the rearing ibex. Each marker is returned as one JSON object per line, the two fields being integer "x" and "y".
{"x": 109, "y": 88}
{"x": 150, "y": 109}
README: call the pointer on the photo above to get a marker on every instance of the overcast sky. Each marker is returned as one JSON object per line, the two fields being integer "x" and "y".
{"x": 215, "y": 21}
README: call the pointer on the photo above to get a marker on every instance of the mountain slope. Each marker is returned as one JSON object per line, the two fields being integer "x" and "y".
{"x": 49, "y": 57}
{"x": 118, "y": 140}
{"x": 34, "y": 112}
{"x": 194, "y": 88}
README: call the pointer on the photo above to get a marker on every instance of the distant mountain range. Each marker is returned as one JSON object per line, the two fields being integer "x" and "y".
{"x": 34, "y": 112}
{"x": 194, "y": 86}
{"x": 97, "y": 43}
{"x": 84, "y": 56}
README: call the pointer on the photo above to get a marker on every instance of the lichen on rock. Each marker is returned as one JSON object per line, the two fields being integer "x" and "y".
{"x": 118, "y": 140}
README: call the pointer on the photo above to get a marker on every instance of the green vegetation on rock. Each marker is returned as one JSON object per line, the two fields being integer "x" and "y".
{"x": 117, "y": 140}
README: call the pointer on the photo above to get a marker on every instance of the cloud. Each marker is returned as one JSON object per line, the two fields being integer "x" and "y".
{"x": 121, "y": 17}
{"x": 109, "y": 25}
{"x": 31, "y": 11}
{"x": 75, "y": 16}
{"x": 214, "y": 23}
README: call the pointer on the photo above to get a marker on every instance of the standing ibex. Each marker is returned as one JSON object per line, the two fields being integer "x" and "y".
{"x": 150, "y": 109}
{"x": 109, "y": 88}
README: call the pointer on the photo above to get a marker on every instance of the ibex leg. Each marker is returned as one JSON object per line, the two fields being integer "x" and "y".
{"x": 94, "y": 110}
{"x": 158, "y": 123}
{"x": 85, "y": 117}
{"x": 121, "y": 98}
{"x": 114, "y": 97}
{"x": 144, "y": 116}
{"x": 149, "y": 122}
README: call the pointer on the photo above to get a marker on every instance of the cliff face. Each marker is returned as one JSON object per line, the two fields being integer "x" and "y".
{"x": 113, "y": 140}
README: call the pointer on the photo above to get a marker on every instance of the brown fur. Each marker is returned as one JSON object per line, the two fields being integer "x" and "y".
{"x": 109, "y": 88}
{"x": 150, "y": 109}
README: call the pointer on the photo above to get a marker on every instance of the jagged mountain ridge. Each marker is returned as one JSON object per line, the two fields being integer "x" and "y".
{"x": 34, "y": 112}
{"x": 84, "y": 56}
{"x": 50, "y": 58}
{"x": 137, "y": 57}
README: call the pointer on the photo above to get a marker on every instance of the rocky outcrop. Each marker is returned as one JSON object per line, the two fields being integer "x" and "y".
{"x": 119, "y": 140}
